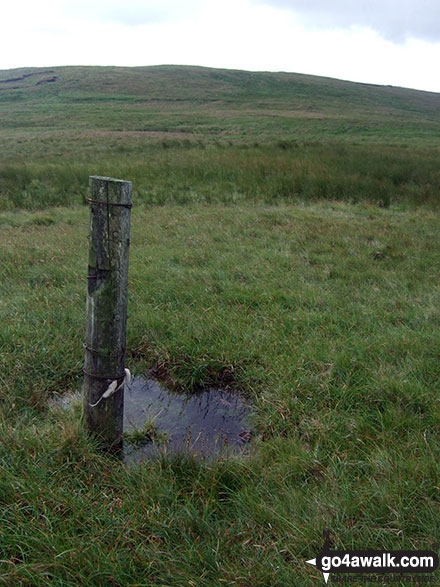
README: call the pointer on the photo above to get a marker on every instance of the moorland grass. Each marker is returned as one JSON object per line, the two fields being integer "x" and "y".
{"x": 326, "y": 314}
{"x": 192, "y": 134}
{"x": 203, "y": 103}
{"x": 182, "y": 173}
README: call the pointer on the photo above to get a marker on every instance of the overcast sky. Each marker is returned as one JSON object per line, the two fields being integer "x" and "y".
{"x": 377, "y": 41}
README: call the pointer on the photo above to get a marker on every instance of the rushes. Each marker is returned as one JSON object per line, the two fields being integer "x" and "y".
{"x": 285, "y": 172}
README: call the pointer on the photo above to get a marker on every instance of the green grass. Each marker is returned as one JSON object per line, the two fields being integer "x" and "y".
{"x": 285, "y": 240}
{"x": 338, "y": 347}
{"x": 280, "y": 173}
{"x": 191, "y": 134}
{"x": 148, "y": 433}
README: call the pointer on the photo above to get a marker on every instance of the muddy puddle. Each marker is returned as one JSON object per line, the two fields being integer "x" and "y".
{"x": 206, "y": 423}
{"x": 157, "y": 421}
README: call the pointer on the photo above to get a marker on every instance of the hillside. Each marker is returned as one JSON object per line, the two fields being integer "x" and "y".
{"x": 196, "y": 103}
{"x": 185, "y": 134}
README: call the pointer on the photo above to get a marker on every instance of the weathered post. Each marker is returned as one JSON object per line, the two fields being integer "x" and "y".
{"x": 104, "y": 365}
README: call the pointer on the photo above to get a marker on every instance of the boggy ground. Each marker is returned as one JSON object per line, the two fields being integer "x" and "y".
{"x": 326, "y": 314}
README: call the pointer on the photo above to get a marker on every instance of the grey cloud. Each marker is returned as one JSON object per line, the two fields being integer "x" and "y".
{"x": 131, "y": 12}
{"x": 395, "y": 20}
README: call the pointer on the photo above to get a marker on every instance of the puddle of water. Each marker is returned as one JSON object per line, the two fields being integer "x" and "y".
{"x": 207, "y": 423}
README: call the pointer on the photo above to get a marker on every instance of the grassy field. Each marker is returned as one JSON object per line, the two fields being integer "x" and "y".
{"x": 299, "y": 267}
{"x": 234, "y": 174}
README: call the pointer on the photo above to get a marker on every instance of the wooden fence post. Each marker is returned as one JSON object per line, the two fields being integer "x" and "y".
{"x": 106, "y": 308}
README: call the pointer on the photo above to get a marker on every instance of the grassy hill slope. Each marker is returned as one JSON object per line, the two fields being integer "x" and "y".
{"x": 199, "y": 134}
{"x": 204, "y": 103}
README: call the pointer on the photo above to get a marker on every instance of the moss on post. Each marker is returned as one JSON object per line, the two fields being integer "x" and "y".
{"x": 106, "y": 309}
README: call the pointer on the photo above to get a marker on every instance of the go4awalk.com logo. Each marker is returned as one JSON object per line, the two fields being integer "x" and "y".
{"x": 406, "y": 565}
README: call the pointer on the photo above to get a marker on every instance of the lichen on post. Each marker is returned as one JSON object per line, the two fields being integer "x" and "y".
{"x": 106, "y": 308}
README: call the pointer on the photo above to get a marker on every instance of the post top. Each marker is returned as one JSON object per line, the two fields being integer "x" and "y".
{"x": 104, "y": 178}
